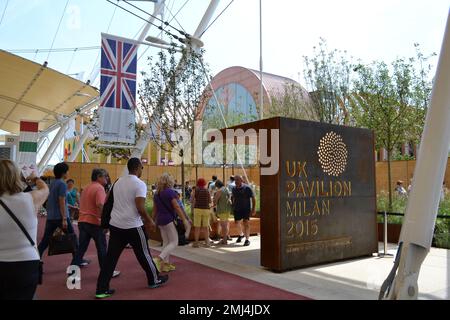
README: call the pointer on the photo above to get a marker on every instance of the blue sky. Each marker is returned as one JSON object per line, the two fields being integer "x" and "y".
{"x": 366, "y": 29}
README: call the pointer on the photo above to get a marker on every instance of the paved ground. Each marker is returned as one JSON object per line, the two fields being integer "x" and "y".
{"x": 191, "y": 281}
{"x": 234, "y": 272}
{"x": 352, "y": 279}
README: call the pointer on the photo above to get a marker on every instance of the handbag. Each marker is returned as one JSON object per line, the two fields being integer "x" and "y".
{"x": 62, "y": 243}
{"x": 179, "y": 226}
{"x": 20, "y": 225}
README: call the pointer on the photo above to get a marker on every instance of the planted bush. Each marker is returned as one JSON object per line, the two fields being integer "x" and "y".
{"x": 442, "y": 229}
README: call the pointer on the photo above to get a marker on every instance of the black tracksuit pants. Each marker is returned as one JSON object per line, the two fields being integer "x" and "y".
{"x": 118, "y": 239}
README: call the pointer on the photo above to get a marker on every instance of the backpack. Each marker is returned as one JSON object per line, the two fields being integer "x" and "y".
{"x": 107, "y": 209}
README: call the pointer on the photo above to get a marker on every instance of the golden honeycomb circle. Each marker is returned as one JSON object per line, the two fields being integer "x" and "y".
{"x": 332, "y": 154}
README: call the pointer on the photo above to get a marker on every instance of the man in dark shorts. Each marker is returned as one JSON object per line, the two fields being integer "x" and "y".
{"x": 241, "y": 196}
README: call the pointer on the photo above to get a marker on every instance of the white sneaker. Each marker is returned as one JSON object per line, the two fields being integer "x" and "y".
{"x": 116, "y": 273}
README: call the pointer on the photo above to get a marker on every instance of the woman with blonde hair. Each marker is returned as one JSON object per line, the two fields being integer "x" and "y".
{"x": 19, "y": 258}
{"x": 165, "y": 211}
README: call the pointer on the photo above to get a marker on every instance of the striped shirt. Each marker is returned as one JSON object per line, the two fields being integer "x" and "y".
{"x": 202, "y": 198}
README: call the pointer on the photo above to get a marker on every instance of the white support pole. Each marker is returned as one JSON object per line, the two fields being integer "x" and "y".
{"x": 82, "y": 132}
{"x": 88, "y": 106}
{"x": 83, "y": 109}
{"x": 41, "y": 141}
{"x": 143, "y": 141}
{"x": 422, "y": 207}
{"x": 206, "y": 18}
{"x": 79, "y": 146}
{"x": 86, "y": 156}
{"x": 51, "y": 149}
{"x": 157, "y": 10}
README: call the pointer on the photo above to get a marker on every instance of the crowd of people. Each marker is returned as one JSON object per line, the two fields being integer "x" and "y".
{"x": 130, "y": 225}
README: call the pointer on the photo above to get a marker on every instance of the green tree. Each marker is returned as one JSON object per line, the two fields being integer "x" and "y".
{"x": 422, "y": 87}
{"x": 328, "y": 77}
{"x": 391, "y": 100}
{"x": 169, "y": 96}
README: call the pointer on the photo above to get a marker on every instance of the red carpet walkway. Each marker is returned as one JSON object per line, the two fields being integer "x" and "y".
{"x": 191, "y": 281}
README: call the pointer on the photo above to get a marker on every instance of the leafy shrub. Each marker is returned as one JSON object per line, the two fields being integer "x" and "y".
{"x": 442, "y": 228}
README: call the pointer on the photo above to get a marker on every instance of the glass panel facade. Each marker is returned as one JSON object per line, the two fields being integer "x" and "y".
{"x": 238, "y": 106}
{"x": 236, "y": 103}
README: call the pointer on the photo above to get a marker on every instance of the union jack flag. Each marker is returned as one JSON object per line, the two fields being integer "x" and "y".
{"x": 118, "y": 73}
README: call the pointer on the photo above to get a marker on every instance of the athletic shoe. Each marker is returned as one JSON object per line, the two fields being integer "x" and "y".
{"x": 246, "y": 243}
{"x": 116, "y": 273}
{"x": 239, "y": 239}
{"x": 105, "y": 294}
{"x": 162, "y": 279}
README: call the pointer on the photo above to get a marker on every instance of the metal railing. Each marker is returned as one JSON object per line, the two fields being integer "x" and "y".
{"x": 439, "y": 216}
{"x": 385, "y": 223}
